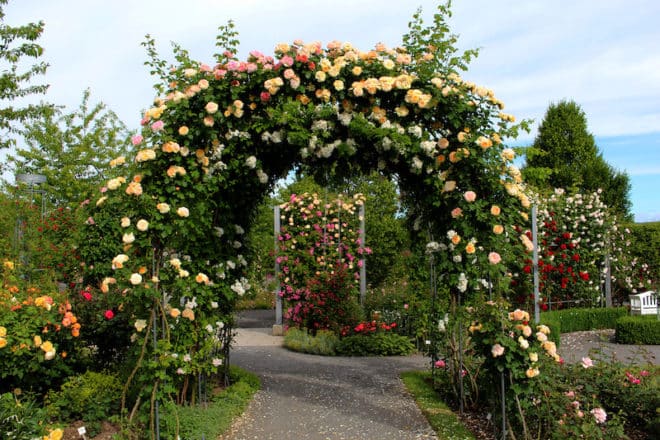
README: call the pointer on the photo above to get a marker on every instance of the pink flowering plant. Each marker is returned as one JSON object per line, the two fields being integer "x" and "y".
{"x": 317, "y": 239}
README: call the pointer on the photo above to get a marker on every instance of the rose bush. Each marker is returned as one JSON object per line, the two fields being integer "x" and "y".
{"x": 37, "y": 335}
{"x": 220, "y": 136}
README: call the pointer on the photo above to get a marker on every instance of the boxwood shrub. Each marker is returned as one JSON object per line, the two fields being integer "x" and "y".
{"x": 577, "y": 320}
{"x": 638, "y": 330}
{"x": 378, "y": 344}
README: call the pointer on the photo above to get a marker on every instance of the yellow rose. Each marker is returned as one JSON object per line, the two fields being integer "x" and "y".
{"x": 188, "y": 314}
{"x": 183, "y": 130}
{"x": 46, "y": 346}
{"x": 498, "y": 229}
{"x": 495, "y": 210}
{"x": 534, "y": 357}
{"x": 470, "y": 249}
{"x": 3, "y": 342}
{"x": 532, "y": 372}
{"x": 37, "y": 341}
{"x": 3, "y": 331}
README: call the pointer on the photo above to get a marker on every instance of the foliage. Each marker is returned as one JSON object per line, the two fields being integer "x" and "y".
{"x": 443, "y": 421}
{"x": 638, "y": 330}
{"x": 324, "y": 342}
{"x": 577, "y": 320}
{"x": 644, "y": 239}
{"x": 377, "y": 344}
{"x": 91, "y": 397}
{"x": 384, "y": 225}
{"x": 22, "y": 418}
{"x": 17, "y": 49}
{"x": 216, "y": 417}
{"x": 74, "y": 151}
{"x": 565, "y": 155}
{"x": 37, "y": 334}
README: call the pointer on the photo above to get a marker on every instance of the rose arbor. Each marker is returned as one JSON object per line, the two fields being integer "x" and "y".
{"x": 213, "y": 146}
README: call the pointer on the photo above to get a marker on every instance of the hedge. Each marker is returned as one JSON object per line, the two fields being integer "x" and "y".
{"x": 576, "y": 320}
{"x": 638, "y": 330}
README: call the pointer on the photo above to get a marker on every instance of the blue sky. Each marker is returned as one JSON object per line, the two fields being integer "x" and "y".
{"x": 603, "y": 55}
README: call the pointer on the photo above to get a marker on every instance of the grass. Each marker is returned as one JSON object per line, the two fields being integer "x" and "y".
{"x": 441, "y": 418}
{"x": 324, "y": 343}
{"x": 197, "y": 422}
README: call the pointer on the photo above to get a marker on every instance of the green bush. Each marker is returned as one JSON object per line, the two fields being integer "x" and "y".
{"x": 638, "y": 330}
{"x": 323, "y": 343}
{"x": 576, "y": 320}
{"x": 645, "y": 243}
{"x": 378, "y": 344}
{"x": 91, "y": 397}
{"x": 210, "y": 421}
{"x": 20, "y": 419}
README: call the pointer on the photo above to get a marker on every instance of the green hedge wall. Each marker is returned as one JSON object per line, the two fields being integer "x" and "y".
{"x": 576, "y": 320}
{"x": 638, "y": 330}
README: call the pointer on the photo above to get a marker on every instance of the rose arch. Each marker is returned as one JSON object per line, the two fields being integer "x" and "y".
{"x": 215, "y": 143}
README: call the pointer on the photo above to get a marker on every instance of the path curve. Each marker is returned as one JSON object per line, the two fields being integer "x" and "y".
{"x": 311, "y": 397}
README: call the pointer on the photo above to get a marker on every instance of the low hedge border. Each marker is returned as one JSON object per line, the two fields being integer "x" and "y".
{"x": 578, "y": 320}
{"x": 643, "y": 330}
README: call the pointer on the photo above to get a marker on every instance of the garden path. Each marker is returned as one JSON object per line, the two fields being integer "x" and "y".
{"x": 311, "y": 397}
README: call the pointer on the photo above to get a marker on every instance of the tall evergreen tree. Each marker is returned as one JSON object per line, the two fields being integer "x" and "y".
{"x": 565, "y": 155}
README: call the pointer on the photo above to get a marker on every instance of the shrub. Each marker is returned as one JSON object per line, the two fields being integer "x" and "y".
{"x": 90, "y": 397}
{"x": 638, "y": 330}
{"x": 38, "y": 335}
{"x": 197, "y": 422}
{"x": 378, "y": 344}
{"x": 323, "y": 343}
{"x": 20, "y": 419}
{"x": 575, "y": 320}
{"x": 645, "y": 242}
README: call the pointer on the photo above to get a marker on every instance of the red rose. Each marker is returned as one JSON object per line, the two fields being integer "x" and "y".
{"x": 85, "y": 294}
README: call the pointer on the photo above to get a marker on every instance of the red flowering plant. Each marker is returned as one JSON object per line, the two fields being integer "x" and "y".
{"x": 575, "y": 235}
{"x": 318, "y": 247}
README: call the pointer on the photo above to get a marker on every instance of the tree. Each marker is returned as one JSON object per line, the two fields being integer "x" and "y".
{"x": 565, "y": 155}
{"x": 16, "y": 44}
{"x": 73, "y": 150}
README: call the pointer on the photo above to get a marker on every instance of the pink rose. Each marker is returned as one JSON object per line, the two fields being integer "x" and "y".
{"x": 587, "y": 362}
{"x": 497, "y": 350}
{"x": 470, "y": 196}
{"x": 109, "y": 314}
{"x": 440, "y": 364}
{"x": 137, "y": 139}
{"x": 456, "y": 212}
{"x": 157, "y": 126}
{"x": 86, "y": 295}
{"x": 599, "y": 414}
{"x": 494, "y": 258}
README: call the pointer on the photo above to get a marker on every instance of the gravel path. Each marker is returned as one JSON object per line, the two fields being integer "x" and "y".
{"x": 310, "y": 397}
{"x": 325, "y": 398}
